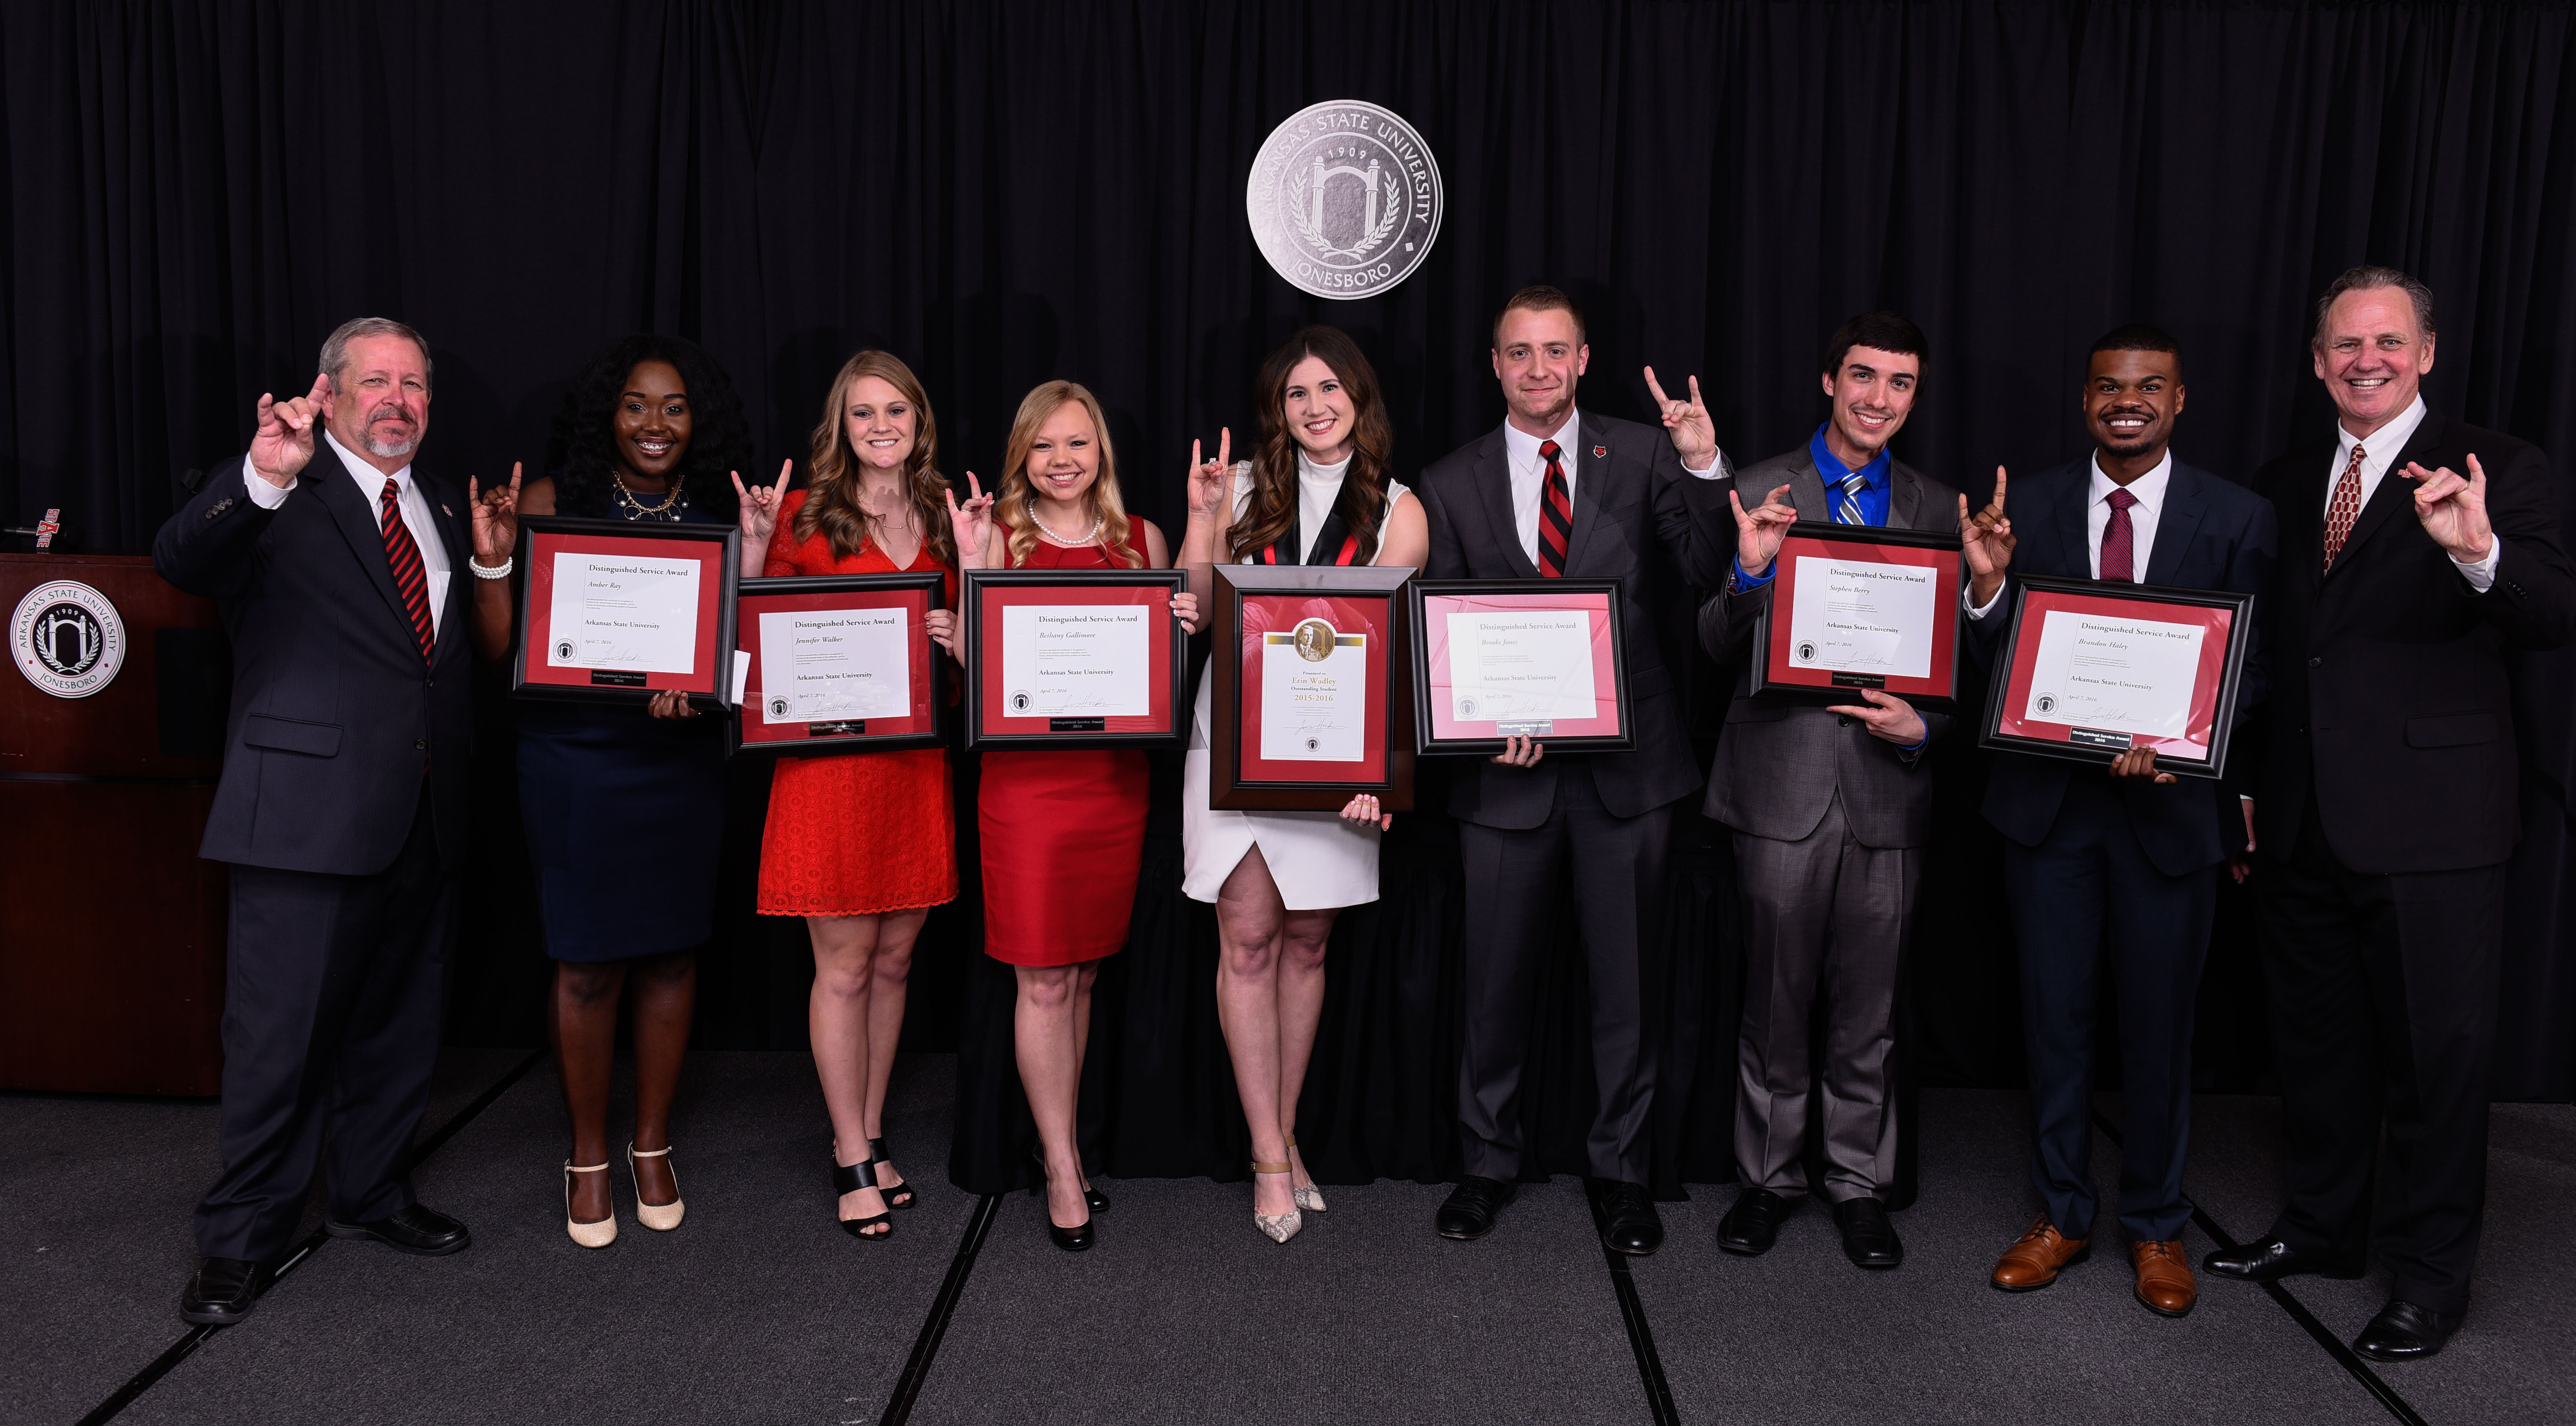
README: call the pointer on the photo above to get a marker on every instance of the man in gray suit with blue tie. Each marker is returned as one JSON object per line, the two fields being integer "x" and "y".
{"x": 1831, "y": 808}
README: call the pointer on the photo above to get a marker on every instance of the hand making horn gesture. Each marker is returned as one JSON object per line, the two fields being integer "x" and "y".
{"x": 284, "y": 440}
{"x": 1759, "y": 531}
{"x": 971, "y": 523}
{"x": 758, "y": 512}
{"x": 2454, "y": 511}
{"x": 1211, "y": 481}
{"x": 1987, "y": 539}
{"x": 1694, "y": 435}
{"x": 496, "y": 519}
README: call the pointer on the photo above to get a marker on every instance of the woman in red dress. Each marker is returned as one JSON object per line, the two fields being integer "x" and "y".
{"x": 862, "y": 845}
{"x": 1063, "y": 832}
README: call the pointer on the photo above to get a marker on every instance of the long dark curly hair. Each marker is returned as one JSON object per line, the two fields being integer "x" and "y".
{"x": 1273, "y": 508}
{"x": 582, "y": 453}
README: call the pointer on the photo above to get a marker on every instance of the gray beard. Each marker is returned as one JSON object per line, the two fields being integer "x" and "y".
{"x": 389, "y": 450}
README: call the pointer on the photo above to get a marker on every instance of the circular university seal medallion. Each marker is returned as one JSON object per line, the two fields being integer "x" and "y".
{"x": 68, "y": 639}
{"x": 1344, "y": 199}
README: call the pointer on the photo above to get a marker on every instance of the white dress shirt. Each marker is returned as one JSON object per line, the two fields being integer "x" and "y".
{"x": 2150, "y": 492}
{"x": 1529, "y": 473}
{"x": 2379, "y": 455}
{"x": 370, "y": 482}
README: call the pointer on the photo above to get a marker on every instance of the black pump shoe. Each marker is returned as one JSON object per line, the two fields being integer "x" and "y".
{"x": 1074, "y": 1239}
{"x": 850, "y": 1178}
{"x": 1094, "y": 1197}
{"x": 898, "y": 1195}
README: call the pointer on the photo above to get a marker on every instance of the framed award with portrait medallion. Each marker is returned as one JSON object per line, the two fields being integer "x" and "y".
{"x": 839, "y": 663}
{"x": 1310, "y": 699}
{"x": 617, "y": 610}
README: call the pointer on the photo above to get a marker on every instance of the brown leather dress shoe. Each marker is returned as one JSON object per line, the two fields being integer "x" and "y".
{"x": 2033, "y": 1261}
{"x": 2165, "y": 1283}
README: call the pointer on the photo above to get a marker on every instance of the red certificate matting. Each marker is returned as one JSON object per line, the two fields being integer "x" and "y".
{"x": 1855, "y": 637}
{"x": 2017, "y": 713}
{"x": 538, "y": 668}
{"x": 1368, "y": 619}
{"x": 1447, "y": 717}
{"x": 1000, "y": 713}
{"x": 825, "y": 598}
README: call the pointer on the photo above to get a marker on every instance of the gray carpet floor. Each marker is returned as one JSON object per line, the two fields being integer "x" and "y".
{"x": 759, "y": 1310}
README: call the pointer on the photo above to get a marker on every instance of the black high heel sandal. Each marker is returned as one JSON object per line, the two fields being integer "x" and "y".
{"x": 898, "y": 1196}
{"x": 850, "y": 1178}
{"x": 1074, "y": 1239}
{"x": 1094, "y": 1197}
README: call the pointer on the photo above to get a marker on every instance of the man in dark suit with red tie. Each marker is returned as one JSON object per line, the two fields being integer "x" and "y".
{"x": 336, "y": 563}
{"x": 1561, "y": 493}
{"x": 2113, "y": 872}
{"x": 2416, "y": 552}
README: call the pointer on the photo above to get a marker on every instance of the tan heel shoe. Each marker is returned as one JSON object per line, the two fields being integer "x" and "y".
{"x": 589, "y": 1235}
{"x": 1310, "y": 1199}
{"x": 1277, "y": 1227}
{"x": 660, "y": 1217}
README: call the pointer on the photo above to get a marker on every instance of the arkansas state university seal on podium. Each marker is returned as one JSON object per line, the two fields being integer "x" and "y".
{"x": 1344, "y": 199}
{"x": 67, "y": 638}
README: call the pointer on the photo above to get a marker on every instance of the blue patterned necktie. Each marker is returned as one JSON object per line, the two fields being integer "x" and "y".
{"x": 1849, "y": 513}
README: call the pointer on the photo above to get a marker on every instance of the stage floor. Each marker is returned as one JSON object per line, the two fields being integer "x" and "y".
{"x": 758, "y": 1309}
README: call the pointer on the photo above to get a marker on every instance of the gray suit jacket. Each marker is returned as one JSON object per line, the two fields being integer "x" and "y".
{"x": 1779, "y": 763}
{"x": 1632, "y": 499}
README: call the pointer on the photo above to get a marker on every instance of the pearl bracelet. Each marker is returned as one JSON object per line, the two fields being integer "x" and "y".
{"x": 481, "y": 573}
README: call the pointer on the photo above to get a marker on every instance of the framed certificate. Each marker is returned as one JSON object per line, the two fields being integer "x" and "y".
{"x": 839, "y": 663}
{"x": 1073, "y": 658}
{"x": 617, "y": 610}
{"x": 2090, "y": 670}
{"x": 1860, "y": 606}
{"x": 1502, "y": 658}
{"x": 1313, "y": 705}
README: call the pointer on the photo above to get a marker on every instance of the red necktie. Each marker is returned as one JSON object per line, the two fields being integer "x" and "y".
{"x": 1555, "y": 515}
{"x": 2120, "y": 540}
{"x": 402, "y": 556}
{"x": 2344, "y": 508}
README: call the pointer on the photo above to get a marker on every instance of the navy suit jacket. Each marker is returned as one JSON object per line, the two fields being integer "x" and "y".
{"x": 2210, "y": 535}
{"x": 334, "y": 713}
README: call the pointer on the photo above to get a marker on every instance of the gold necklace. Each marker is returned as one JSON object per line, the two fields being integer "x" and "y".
{"x": 669, "y": 498}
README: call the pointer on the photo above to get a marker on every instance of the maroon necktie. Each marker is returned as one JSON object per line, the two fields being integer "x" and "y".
{"x": 1555, "y": 515}
{"x": 2120, "y": 540}
{"x": 402, "y": 556}
{"x": 2344, "y": 508}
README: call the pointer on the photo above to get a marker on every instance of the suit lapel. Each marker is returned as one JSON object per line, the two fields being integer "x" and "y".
{"x": 456, "y": 537}
{"x": 1904, "y": 495}
{"x": 2184, "y": 504}
{"x": 2395, "y": 491}
{"x": 357, "y": 521}
{"x": 1806, "y": 491}
{"x": 1494, "y": 482}
{"x": 1592, "y": 471}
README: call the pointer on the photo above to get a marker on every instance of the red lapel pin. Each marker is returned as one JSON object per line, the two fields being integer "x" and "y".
{"x": 1600, "y": 451}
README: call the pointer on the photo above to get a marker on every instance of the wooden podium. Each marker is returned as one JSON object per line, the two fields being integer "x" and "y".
{"x": 111, "y": 928}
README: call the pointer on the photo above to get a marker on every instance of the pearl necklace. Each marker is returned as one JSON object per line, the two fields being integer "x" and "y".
{"x": 1096, "y": 522}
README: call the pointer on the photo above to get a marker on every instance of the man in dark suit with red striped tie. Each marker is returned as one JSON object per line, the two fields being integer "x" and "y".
{"x": 342, "y": 805}
{"x": 1560, "y": 493}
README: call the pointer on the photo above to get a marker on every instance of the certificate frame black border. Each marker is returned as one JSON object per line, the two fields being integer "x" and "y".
{"x": 1759, "y": 682}
{"x": 942, "y": 667}
{"x": 2231, "y": 683}
{"x": 1421, "y": 590}
{"x": 1228, "y": 790}
{"x": 524, "y": 556}
{"x": 970, "y": 620}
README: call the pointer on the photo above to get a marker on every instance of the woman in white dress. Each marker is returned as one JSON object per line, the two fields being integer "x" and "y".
{"x": 1315, "y": 492}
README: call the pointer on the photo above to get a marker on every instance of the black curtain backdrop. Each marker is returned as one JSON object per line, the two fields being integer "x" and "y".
{"x": 196, "y": 193}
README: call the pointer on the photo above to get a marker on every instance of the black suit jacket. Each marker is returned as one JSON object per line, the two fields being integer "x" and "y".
{"x": 1631, "y": 498}
{"x": 2389, "y": 686}
{"x": 333, "y": 711}
{"x": 2210, "y": 535}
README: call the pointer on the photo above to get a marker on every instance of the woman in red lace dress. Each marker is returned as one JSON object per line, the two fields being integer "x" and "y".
{"x": 862, "y": 845}
{"x": 1063, "y": 832}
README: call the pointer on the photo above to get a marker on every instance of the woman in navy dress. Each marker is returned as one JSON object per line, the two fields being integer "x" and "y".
{"x": 624, "y": 804}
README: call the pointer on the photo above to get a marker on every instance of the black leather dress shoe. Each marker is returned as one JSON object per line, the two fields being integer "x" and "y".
{"x": 1469, "y": 1212}
{"x": 2270, "y": 1260}
{"x": 2404, "y": 1332}
{"x": 1629, "y": 1223}
{"x": 1750, "y": 1228}
{"x": 1869, "y": 1240}
{"x": 418, "y": 1229}
{"x": 222, "y": 1292}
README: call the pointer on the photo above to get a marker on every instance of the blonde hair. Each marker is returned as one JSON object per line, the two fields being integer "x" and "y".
{"x": 832, "y": 474}
{"x": 1013, "y": 508}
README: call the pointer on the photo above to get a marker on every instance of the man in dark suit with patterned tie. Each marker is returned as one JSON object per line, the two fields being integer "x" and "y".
{"x": 2116, "y": 866}
{"x": 1831, "y": 808}
{"x": 2416, "y": 553}
{"x": 342, "y": 806}
{"x": 1561, "y": 493}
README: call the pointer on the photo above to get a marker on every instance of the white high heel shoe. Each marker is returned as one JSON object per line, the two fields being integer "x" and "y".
{"x": 589, "y": 1235}
{"x": 660, "y": 1217}
{"x": 1277, "y": 1227}
{"x": 1310, "y": 1199}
